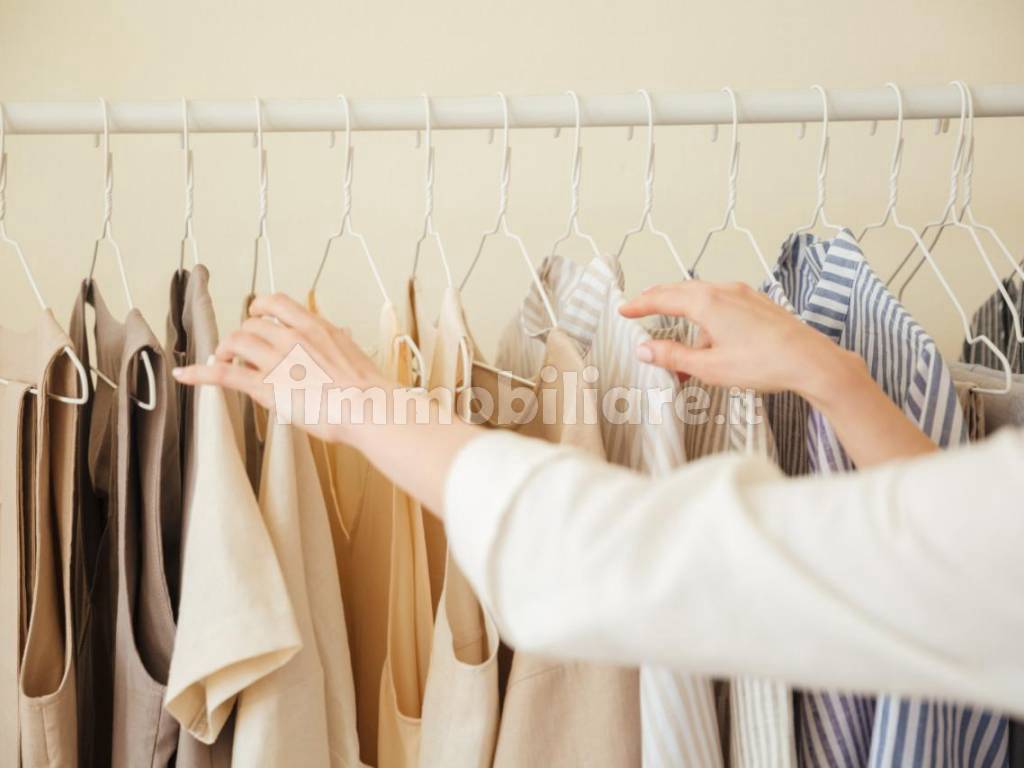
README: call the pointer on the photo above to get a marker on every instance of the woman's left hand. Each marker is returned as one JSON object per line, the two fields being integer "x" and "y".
{"x": 278, "y": 324}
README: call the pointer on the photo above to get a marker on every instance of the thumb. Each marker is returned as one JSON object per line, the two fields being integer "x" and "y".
{"x": 675, "y": 356}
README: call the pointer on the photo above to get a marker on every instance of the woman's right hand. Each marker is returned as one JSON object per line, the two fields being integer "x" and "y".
{"x": 746, "y": 340}
{"x": 749, "y": 341}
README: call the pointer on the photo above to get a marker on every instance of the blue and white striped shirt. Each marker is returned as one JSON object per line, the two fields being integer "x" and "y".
{"x": 831, "y": 286}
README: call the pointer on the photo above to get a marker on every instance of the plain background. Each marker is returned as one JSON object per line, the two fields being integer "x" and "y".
{"x": 130, "y": 49}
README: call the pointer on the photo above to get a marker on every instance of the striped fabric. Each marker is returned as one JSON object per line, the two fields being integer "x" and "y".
{"x": 993, "y": 320}
{"x": 683, "y": 722}
{"x": 833, "y": 289}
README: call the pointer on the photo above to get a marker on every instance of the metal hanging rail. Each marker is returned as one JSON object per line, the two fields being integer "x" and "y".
{"x": 547, "y": 111}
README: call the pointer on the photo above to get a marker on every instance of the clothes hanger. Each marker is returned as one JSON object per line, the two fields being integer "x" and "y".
{"x": 967, "y": 209}
{"x": 83, "y": 377}
{"x": 892, "y": 215}
{"x": 428, "y": 206}
{"x": 107, "y": 235}
{"x": 819, "y": 207}
{"x": 262, "y": 235}
{"x": 501, "y": 228}
{"x": 575, "y": 168}
{"x": 501, "y": 224}
{"x": 646, "y": 220}
{"x": 346, "y": 228}
{"x": 729, "y": 222}
{"x": 186, "y": 145}
{"x": 952, "y": 218}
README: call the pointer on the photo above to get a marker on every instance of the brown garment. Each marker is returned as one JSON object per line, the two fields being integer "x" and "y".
{"x": 134, "y": 454}
{"x": 37, "y": 455}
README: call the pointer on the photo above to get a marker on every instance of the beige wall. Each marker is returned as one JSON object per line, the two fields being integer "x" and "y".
{"x": 124, "y": 49}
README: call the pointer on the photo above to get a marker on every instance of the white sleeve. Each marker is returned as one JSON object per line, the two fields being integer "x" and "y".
{"x": 905, "y": 578}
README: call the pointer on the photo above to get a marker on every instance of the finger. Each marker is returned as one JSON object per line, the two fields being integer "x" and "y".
{"x": 675, "y": 357}
{"x": 275, "y": 334}
{"x": 249, "y": 347}
{"x": 219, "y": 374}
{"x": 286, "y": 309}
{"x": 686, "y": 299}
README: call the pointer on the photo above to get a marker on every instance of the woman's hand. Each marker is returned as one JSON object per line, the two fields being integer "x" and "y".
{"x": 747, "y": 340}
{"x": 278, "y": 324}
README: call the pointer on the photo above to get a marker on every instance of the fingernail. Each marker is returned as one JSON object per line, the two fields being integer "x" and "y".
{"x": 177, "y": 372}
{"x": 644, "y": 354}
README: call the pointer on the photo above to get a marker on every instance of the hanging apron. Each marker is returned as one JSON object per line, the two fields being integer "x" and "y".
{"x": 37, "y": 458}
{"x": 460, "y": 706}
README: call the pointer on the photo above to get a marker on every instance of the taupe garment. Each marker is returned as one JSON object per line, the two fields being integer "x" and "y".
{"x": 460, "y": 706}
{"x": 37, "y": 454}
{"x": 140, "y": 448}
{"x": 555, "y": 712}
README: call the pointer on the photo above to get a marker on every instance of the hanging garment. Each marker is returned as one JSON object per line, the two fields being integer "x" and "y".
{"x": 460, "y": 705}
{"x": 254, "y": 423}
{"x": 37, "y": 458}
{"x": 138, "y": 452}
{"x": 554, "y": 712}
{"x": 365, "y": 509}
{"x": 993, "y": 319}
{"x": 235, "y": 621}
{"x": 1001, "y": 410}
{"x": 304, "y": 712}
{"x": 755, "y": 716}
{"x": 836, "y": 292}
{"x": 586, "y": 301}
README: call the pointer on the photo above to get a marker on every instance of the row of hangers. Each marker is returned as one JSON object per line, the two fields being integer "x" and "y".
{"x": 961, "y": 217}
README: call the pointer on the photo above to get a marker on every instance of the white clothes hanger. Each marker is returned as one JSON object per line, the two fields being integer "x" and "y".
{"x": 262, "y": 235}
{"x": 646, "y": 220}
{"x": 189, "y": 237}
{"x": 822, "y": 174}
{"x": 501, "y": 224}
{"x": 968, "y": 211}
{"x": 575, "y": 168}
{"x": 428, "y": 206}
{"x": 83, "y": 380}
{"x": 729, "y": 221}
{"x": 891, "y": 214}
{"x": 346, "y": 228}
{"x": 952, "y": 218}
{"x": 107, "y": 235}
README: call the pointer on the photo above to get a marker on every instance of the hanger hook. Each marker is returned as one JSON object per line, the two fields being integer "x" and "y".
{"x": 823, "y": 147}
{"x": 186, "y": 144}
{"x": 968, "y": 159}
{"x": 649, "y": 170}
{"x": 108, "y": 170}
{"x": 897, "y": 151}
{"x": 347, "y": 177}
{"x": 506, "y": 164}
{"x": 577, "y": 158}
{"x": 263, "y": 185}
{"x": 958, "y": 151}
{"x": 734, "y": 157}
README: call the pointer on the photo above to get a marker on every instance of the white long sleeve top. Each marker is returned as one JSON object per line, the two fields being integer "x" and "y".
{"x": 905, "y": 578}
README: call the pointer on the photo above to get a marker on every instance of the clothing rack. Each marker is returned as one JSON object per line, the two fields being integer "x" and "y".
{"x": 485, "y": 112}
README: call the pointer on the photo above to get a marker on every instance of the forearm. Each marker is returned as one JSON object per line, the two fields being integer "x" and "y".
{"x": 868, "y": 581}
{"x": 418, "y": 454}
{"x": 870, "y": 426}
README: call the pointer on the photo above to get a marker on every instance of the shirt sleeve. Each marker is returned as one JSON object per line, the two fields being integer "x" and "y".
{"x": 904, "y": 578}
